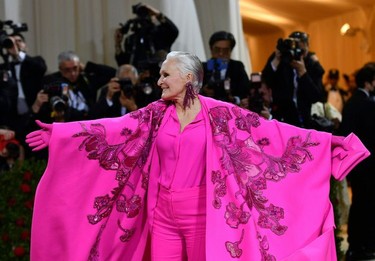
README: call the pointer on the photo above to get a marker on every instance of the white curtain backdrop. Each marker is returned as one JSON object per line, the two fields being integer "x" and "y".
{"x": 87, "y": 26}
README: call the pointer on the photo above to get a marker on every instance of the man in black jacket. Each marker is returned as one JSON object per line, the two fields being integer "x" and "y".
{"x": 359, "y": 117}
{"x": 76, "y": 85}
{"x": 152, "y": 35}
{"x": 24, "y": 74}
{"x": 295, "y": 77}
{"x": 224, "y": 78}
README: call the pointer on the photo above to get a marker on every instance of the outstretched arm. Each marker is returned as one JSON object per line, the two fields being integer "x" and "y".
{"x": 39, "y": 139}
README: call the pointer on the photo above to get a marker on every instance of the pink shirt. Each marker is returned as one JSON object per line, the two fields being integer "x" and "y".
{"x": 177, "y": 150}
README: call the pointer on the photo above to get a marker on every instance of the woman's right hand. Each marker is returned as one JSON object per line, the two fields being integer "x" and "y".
{"x": 39, "y": 139}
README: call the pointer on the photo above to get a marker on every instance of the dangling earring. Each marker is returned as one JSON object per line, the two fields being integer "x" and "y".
{"x": 189, "y": 95}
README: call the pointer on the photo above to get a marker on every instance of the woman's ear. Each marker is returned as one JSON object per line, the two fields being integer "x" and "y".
{"x": 189, "y": 77}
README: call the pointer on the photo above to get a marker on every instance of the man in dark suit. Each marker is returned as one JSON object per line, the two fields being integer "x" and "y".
{"x": 295, "y": 77}
{"x": 359, "y": 117}
{"x": 76, "y": 84}
{"x": 25, "y": 75}
{"x": 224, "y": 78}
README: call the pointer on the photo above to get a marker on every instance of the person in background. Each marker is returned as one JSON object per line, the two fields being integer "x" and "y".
{"x": 117, "y": 97}
{"x": 69, "y": 94}
{"x": 24, "y": 82}
{"x": 260, "y": 97}
{"x": 195, "y": 177}
{"x": 224, "y": 78}
{"x": 359, "y": 118}
{"x": 336, "y": 95}
{"x": 295, "y": 77}
{"x": 152, "y": 33}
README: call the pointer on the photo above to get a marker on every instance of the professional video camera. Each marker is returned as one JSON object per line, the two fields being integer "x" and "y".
{"x": 289, "y": 49}
{"x": 141, "y": 24}
{"x": 8, "y": 28}
{"x": 57, "y": 95}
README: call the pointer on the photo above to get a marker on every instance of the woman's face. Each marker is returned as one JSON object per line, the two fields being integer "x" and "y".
{"x": 171, "y": 81}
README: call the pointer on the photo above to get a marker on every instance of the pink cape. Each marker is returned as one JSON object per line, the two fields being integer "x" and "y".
{"x": 267, "y": 187}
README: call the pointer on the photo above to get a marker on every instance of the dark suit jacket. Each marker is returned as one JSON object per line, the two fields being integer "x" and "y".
{"x": 93, "y": 77}
{"x": 359, "y": 117}
{"x": 281, "y": 81}
{"x": 31, "y": 74}
{"x": 239, "y": 80}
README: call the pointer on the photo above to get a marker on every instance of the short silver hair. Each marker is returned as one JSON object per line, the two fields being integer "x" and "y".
{"x": 67, "y": 56}
{"x": 127, "y": 68}
{"x": 188, "y": 63}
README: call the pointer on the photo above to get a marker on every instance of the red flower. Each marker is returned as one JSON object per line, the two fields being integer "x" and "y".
{"x": 25, "y": 235}
{"x": 25, "y": 188}
{"x": 19, "y": 251}
{"x": 20, "y": 222}
{"x": 12, "y": 202}
{"x": 29, "y": 204}
{"x": 5, "y": 237}
{"x": 27, "y": 176}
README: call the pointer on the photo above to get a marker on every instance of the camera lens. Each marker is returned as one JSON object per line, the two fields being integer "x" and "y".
{"x": 57, "y": 103}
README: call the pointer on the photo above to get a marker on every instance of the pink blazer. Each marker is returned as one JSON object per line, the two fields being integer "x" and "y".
{"x": 267, "y": 187}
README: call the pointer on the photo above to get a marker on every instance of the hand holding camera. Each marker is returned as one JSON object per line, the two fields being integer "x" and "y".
{"x": 113, "y": 87}
{"x": 41, "y": 98}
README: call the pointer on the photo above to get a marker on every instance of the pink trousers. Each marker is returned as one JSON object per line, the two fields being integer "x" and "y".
{"x": 179, "y": 227}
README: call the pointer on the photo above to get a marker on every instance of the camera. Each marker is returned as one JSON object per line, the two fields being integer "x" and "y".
{"x": 289, "y": 49}
{"x": 146, "y": 85}
{"x": 141, "y": 23}
{"x": 5, "y": 26}
{"x": 57, "y": 94}
{"x": 140, "y": 10}
{"x": 256, "y": 102}
{"x": 126, "y": 86}
{"x": 214, "y": 68}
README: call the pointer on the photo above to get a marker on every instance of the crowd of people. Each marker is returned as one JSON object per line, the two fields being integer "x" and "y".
{"x": 290, "y": 89}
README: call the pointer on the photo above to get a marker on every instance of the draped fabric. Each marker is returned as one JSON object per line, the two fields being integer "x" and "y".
{"x": 267, "y": 187}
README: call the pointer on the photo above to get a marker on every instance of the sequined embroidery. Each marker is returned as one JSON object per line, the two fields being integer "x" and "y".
{"x": 252, "y": 168}
{"x": 243, "y": 159}
{"x": 121, "y": 158}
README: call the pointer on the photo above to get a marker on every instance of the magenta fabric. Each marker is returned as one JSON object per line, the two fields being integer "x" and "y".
{"x": 177, "y": 150}
{"x": 179, "y": 228}
{"x": 267, "y": 187}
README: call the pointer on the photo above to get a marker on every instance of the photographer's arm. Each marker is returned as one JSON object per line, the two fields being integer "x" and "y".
{"x": 276, "y": 60}
{"x": 118, "y": 41}
{"x": 41, "y": 98}
{"x": 311, "y": 82}
{"x": 128, "y": 102}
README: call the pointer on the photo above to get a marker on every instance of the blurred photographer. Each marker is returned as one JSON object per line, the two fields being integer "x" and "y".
{"x": 295, "y": 77}
{"x": 22, "y": 76}
{"x": 224, "y": 79}
{"x": 117, "y": 97}
{"x": 260, "y": 97}
{"x": 151, "y": 32}
{"x": 69, "y": 94}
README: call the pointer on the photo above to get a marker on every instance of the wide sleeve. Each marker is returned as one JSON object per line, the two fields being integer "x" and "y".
{"x": 347, "y": 152}
{"x": 89, "y": 204}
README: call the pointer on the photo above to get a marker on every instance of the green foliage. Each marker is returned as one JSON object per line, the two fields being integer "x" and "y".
{"x": 17, "y": 190}
{"x": 334, "y": 194}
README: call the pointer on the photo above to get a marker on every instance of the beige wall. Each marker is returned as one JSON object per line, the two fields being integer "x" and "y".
{"x": 334, "y": 51}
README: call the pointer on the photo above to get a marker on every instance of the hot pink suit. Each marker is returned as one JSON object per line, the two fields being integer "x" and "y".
{"x": 267, "y": 187}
